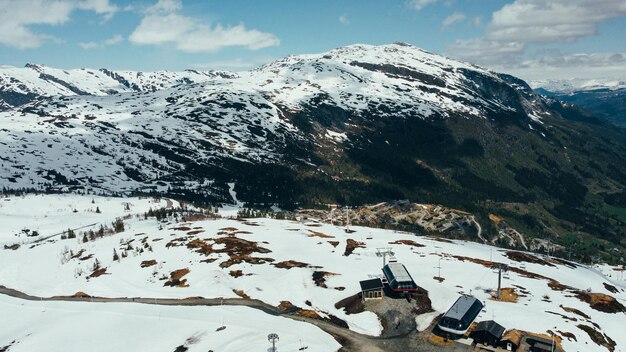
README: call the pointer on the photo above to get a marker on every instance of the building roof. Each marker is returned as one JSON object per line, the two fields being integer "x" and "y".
{"x": 399, "y": 272}
{"x": 373, "y": 284}
{"x": 461, "y": 307}
{"x": 490, "y": 327}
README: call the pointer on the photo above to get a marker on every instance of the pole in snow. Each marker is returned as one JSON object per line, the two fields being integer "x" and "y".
{"x": 273, "y": 338}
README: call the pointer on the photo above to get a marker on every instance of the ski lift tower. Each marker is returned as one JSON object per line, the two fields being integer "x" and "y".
{"x": 501, "y": 268}
{"x": 384, "y": 252}
{"x": 273, "y": 338}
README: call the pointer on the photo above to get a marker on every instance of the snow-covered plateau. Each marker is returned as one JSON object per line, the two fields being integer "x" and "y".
{"x": 306, "y": 264}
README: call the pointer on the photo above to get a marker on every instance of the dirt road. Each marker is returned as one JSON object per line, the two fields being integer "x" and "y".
{"x": 350, "y": 340}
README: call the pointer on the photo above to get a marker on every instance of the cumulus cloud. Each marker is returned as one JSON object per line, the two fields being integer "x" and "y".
{"x": 163, "y": 24}
{"x": 539, "y": 21}
{"x": 18, "y": 16}
{"x": 419, "y": 4}
{"x": 556, "y": 65}
{"x": 116, "y": 39}
{"x": 523, "y": 23}
{"x": 453, "y": 18}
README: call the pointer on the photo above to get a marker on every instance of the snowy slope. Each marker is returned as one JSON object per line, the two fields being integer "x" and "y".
{"x": 52, "y": 214}
{"x": 214, "y": 250}
{"x": 578, "y": 85}
{"x": 62, "y": 326}
{"x": 179, "y": 125}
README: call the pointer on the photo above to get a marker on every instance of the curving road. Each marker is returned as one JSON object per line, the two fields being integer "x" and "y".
{"x": 350, "y": 340}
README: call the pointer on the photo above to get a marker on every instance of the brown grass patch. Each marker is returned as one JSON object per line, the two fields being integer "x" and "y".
{"x": 176, "y": 278}
{"x": 236, "y": 273}
{"x": 98, "y": 272}
{"x": 319, "y": 277}
{"x": 307, "y": 313}
{"x": 351, "y": 245}
{"x": 567, "y": 335}
{"x": 291, "y": 264}
{"x": 507, "y": 294}
{"x": 495, "y": 219}
{"x": 195, "y": 232}
{"x": 240, "y": 250}
{"x": 319, "y": 234}
{"x": 334, "y": 243}
{"x": 597, "y": 337}
{"x": 176, "y": 242}
{"x": 557, "y": 286}
{"x": 181, "y": 228}
{"x": 148, "y": 263}
{"x": 229, "y": 229}
{"x": 515, "y": 336}
{"x": 601, "y": 302}
{"x": 526, "y": 257}
{"x": 81, "y": 294}
{"x": 439, "y": 278}
{"x": 284, "y": 305}
{"x": 241, "y": 294}
{"x": 200, "y": 247}
{"x": 575, "y": 311}
{"x": 408, "y": 243}
{"x": 351, "y": 305}
{"x": 440, "y": 341}
{"x": 195, "y": 217}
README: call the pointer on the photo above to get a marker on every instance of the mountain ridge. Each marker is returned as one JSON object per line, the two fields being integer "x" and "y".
{"x": 355, "y": 125}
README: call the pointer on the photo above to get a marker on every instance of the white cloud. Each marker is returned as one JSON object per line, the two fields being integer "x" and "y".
{"x": 419, "y": 4}
{"x": 343, "y": 19}
{"x": 116, "y": 39}
{"x": 17, "y": 17}
{"x": 540, "y": 21}
{"x": 556, "y": 65}
{"x": 101, "y": 7}
{"x": 523, "y": 23}
{"x": 236, "y": 64}
{"x": 477, "y": 21}
{"x": 163, "y": 24}
{"x": 453, "y": 18}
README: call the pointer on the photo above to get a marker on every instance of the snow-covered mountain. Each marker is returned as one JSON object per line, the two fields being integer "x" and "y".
{"x": 605, "y": 98}
{"x": 578, "y": 84}
{"x": 359, "y": 124}
{"x": 22, "y": 85}
{"x": 105, "y": 124}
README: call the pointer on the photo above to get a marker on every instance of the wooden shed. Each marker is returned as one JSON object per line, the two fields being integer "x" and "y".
{"x": 372, "y": 289}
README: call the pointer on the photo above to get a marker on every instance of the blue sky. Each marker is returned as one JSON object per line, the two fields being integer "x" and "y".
{"x": 531, "y": 38}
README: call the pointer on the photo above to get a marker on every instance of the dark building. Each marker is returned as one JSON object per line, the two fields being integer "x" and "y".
{"x": 461, "y": 315}
{"x": 398, "y": 278}
{"x": 488, "y": 333}
{"x": 372, "y": 289}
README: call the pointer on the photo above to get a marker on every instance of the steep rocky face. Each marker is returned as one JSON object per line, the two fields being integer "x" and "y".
{"x": 353, "y": 125}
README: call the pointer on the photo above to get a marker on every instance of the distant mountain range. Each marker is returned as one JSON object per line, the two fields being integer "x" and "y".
{"x": 358, "y": 124}
{"x": 604, "y": 98}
